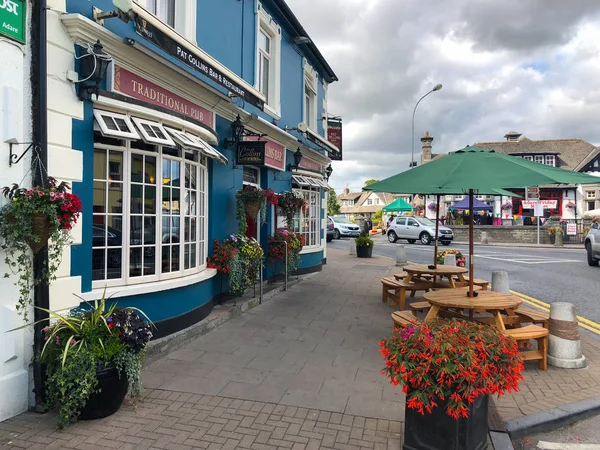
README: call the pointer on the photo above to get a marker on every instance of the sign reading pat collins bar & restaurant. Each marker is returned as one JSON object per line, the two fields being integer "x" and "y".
{"x": 12, "y": 19}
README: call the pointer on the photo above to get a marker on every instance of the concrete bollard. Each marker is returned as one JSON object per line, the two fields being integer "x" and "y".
{"x": 485, "y": 239}
{"x": 401, "y": 259}
{"x": 500, "y": 282}
{"x": 449, "y": 260}
{"x": 564, "y": 349}
{"x": 352, "y": 247}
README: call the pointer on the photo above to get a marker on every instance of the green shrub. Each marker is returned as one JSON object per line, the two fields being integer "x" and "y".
{"x": 363, "y": 241}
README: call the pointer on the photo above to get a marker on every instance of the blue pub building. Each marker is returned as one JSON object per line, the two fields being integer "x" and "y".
{"x": 152, "y": 156}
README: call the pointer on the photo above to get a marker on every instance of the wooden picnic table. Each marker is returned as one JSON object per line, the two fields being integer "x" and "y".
{"x": 491, "y": 302}
{"x": 418, "y": 271}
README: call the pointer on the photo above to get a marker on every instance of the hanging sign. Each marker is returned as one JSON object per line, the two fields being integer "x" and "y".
{"x": 274, "y": 152}
{"x": 192, "y": 58}
{"x": 532, "y": 193}
{"x": 334, "y": 135}
{"x": 251, "y": 153}
{"x": 13, "y": 15}
{"x": 546, "y": 204}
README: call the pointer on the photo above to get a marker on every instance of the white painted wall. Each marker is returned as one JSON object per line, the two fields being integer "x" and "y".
{"x": 15, "y": 123}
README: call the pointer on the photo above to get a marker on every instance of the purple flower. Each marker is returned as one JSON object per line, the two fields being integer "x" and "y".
{"x": 109, "y": 320}
{"x": 233, "y": 238}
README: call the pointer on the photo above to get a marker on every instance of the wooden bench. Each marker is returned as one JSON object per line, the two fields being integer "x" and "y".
{"x": 539, "y": 334}
{"x": 403, "y": 318}
{"x": 484, "y": 284}
{"x": 396, "y": 290}
{"x": 535, "y": 317}
{"x": 416, "y": 307}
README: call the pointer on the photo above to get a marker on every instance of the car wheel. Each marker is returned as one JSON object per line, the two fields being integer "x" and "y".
{"x": 445, "y": 242}
{"x": 329, "y": 239}
{"x": 336, "y": 234}
{"x": 425, "y": 238}
{"x": 411, "y": 241}
{"x": 590, "y": 257}
{"x": 392, "y": 237}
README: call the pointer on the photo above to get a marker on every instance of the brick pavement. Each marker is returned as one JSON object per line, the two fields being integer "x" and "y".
{"x": 300, "y": 371}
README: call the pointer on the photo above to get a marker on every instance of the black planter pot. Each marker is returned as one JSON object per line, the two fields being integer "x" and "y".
{"x": 439, "y": 431}
{"x": 364, "y": 252}
{"x": 109, "y": 397}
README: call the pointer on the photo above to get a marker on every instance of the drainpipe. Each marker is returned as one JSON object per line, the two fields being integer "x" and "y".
{"x": 41, "y": 297}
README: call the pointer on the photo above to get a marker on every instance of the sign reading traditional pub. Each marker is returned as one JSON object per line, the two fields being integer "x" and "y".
{"x": 135, "y": 86}
{"x": 274, "y": 152}
{"x": 12, "y": 19}
{"x": 334, "y": 135}
{"x": 193, "y": 60}
{"x": 251, "y": 153}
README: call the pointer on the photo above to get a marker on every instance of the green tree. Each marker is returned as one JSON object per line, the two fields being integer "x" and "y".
{"x": 377, "y": 217}
{"x": 370, "y": 182}
{"x": 333, "y": 208}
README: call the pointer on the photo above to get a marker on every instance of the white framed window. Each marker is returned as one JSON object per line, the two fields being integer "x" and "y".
{"x": 551, "y": 160}
{"x": 310, "y": 96}
{"x": 251, "y": 176}
{"x": 308, "y": 222}
{"x": 591, "y": 205}
{"x": 539, "y": 159}
{"x": 369, "y": 201}
{"x": 115, "y": 125}
{"x": 149, "y": 212}
{"x": 590, "y": 194}
{"x": 163, "y": 9}
{"x": 268, "y": 61}
{"x": 153, "y": 132}
{"x": 528, "y": 157}
{"x": 178, "y": 14}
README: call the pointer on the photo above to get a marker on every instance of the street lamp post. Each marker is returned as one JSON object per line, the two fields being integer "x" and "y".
{"x": 437, "y": 87}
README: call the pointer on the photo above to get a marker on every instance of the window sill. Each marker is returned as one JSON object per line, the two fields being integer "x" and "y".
{"x": 274, "y": 113}
{"x": 307, "y": 250}
{"x": 147, "y": 288}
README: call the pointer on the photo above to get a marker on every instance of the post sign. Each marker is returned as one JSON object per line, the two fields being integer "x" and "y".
{"x": 192, "y": 58}
{"x": 274, "y": 152}
{"x": 334, "y": 135}
{"x": 532, "y": 193}
{"x": 12, "y": 20}
{"x": 251, "y": 153}
{"x": 571, "y": 229}
{"x": 538, "y": 210}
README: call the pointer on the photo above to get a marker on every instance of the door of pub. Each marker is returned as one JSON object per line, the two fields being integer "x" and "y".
{"x": 252, "y": 178}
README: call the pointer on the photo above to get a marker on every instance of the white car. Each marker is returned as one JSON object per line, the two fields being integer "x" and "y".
{"x": 592, "y": 245}
{"x": 415, "y": 229}
{"x": 343, "y": 227}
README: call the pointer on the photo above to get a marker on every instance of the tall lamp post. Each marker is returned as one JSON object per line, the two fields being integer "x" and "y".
{"x": 413, "y": 163}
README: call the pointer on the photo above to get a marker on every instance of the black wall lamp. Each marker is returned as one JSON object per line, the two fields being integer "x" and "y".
{"x": 297, "y": 160}
{"x": 328, "y": 172}
{"x": 237, "y": 131}
{"x": 92, "y": 71}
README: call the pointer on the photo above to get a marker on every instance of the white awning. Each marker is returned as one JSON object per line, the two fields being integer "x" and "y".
{"x": 300, "y": 181}
{"x": 308, "y": 181}
{"x": 193, "y": 142}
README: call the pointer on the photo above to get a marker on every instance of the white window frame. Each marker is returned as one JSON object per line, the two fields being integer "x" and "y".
{"x": 539, "y": 159}
{"x": 201, "y": 215}
{"x": 301, "y": 181}
{"x": 266, "y": 24}
{"x": 551, "y": 160}
{"x": 314, "y": 221}
{"x": 153, "y": 139}
{"x": 311, "y": 92}
{"x": 101, "y": 117}
{"x": 369, "y": 201}
{"x": 590, "y": 195}
{"x": 528, "y": 157}
{"x": 184, "y": 20}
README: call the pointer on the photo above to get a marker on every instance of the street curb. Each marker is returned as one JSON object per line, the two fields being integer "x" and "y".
{"x": 218, "y": 316}
{"x": 501, "y": 441}
{"x": 553, "y": 418}
{"x": 517, "y": 245}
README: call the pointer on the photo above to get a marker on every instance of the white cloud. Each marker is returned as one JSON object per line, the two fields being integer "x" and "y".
{"x": 529, "y": 66}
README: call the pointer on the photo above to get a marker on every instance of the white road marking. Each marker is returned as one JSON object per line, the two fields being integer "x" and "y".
{"x": 559, "y": 446}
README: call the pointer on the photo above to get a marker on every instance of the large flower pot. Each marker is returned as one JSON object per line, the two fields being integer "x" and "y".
{"x": 364, "y": 252}
{"x": 252, "y": 208}
{"x": 109, "y": 396}
{"x": 438, "y": 431}
{"x": 558, "y": 239}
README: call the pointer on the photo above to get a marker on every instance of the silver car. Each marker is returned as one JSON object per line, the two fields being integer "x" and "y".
{"x": 592, "y": 245}
{"x": 415, "y": 229}
{"x": 343, "y": 227}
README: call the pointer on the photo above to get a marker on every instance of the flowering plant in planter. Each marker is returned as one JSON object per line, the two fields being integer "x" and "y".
{"x": 276, "y": 251}
{"x": 28, "y": 221}
{"x": 91, "y": 340}
{"x": 506, "y": 206}
{"x": 363, "y": 241}
{"x": 432, "y": 206}
{"x": 555, "y": 230}
{"x": 250, "y": 200}
{"x": 238, "y": 257}
{"x": 289, "y": 204}
{"x": 271, "y": 196}
{"x": 460, "y": 258}
{"x": 450, "y": 363}
{"x": 570, "y": 204}
{"x": 222, "y": 256}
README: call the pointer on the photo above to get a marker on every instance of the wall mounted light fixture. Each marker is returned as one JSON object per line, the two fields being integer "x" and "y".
{"x": 92, "y": 71}
{"x": 297, "y": 160}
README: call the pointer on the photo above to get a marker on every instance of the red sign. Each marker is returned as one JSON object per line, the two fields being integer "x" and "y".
{"x": 334, "y": 135}
{"x": 137, "y": 87}
{"x": 310, "y": 164}
{"x": 274, "y": 152}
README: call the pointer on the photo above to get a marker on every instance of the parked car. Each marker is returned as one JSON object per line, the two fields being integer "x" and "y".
{"x": 592, "y": 245}
{"x": 330, "y": 229}
{"x": 417, "y": 228}
{"x": 343, "y": 227}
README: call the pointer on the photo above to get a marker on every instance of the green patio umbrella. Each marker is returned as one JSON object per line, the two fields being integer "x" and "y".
{"x": 475, "y": 170}
{"x": 398, "y": 205}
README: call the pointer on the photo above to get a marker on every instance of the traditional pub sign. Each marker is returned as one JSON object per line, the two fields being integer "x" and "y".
{"x": 334, "y": 135}
{"x": 274, "y": 152}
{"x": 251, "y": 153}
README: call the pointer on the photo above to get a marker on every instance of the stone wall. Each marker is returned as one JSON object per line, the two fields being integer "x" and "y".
{"x": 502, "y": 235}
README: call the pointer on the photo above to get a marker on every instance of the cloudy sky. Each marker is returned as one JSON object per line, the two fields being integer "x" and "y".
{"x": 531, "y": 66}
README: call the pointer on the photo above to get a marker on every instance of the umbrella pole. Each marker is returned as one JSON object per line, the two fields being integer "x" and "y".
{"x": 471, "y": 246}
{"x": 437, "y": 228}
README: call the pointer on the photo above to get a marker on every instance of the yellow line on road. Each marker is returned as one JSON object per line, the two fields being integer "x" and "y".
{"x": 583, "y": 322}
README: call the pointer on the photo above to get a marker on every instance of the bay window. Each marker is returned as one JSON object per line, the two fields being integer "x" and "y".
{"x": 149, "y": 205}
{"x": 308, "y": 222}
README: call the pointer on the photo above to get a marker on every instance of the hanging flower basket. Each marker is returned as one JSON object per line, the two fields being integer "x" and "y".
{"x": 250, "y": 201}
{"x": 289, "y": 204}
{"x": 40, "y": 230}
{"x": 253, "y": 208}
